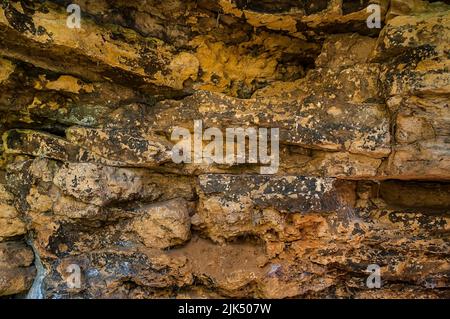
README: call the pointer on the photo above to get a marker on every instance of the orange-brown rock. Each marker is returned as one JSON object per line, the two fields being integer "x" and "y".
{"x": 16, "y": 269}
{"x": 92, "y": 204}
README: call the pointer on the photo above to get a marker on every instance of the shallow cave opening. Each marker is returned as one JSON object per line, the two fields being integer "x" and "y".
{"x": 416, "y": 196}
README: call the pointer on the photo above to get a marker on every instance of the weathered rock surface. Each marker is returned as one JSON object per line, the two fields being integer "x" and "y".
{"x": 234, "y": 206}
{"x": 417, "y": 88}
{"x": 163, "y": 225}
{"x": 87, "y": 179}
{"x": 16, "y": 270}
{"x": 10, "y": 223}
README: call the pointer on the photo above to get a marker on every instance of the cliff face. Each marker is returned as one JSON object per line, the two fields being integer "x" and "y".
{"x": 88, "y": 185}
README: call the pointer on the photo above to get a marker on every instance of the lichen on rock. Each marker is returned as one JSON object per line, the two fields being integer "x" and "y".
{"x": 88, "y": 180}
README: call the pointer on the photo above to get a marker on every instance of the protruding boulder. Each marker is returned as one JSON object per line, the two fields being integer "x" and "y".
{"x": 237, "y": 205}
{"x": 99, "y": 184}
{"x": 163, "y": 225}
{"x": 16, "y": 270}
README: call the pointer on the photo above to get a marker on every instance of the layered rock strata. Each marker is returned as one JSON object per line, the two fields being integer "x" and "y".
{"x": 89, "y": 188}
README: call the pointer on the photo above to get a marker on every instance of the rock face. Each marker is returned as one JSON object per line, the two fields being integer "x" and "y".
{"x": 93, "y": 204}
{"x": 16, "y": 270}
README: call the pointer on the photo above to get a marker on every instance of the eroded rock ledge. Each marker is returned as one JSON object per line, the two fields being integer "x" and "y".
{"x": 87, "y": 179}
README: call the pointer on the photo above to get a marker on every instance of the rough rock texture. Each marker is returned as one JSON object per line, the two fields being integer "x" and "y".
{"x": 86, "y": 171}
{"x": 16, "y": 270}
